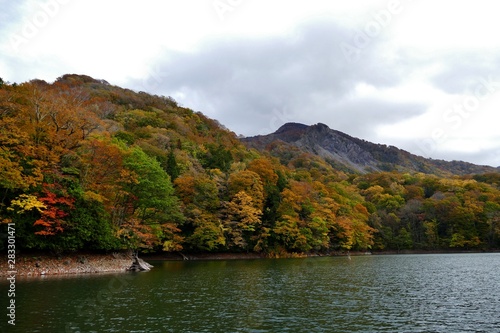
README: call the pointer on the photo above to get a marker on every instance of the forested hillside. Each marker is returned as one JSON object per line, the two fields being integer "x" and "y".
{"x": 87, "y": 165}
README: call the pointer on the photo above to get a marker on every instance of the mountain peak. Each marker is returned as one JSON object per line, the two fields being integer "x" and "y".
{"x": 355, "y": 155}
{"x": 321, "y": 126}
{"x": 298, "y": 127}
{"x": 291, "y": 127}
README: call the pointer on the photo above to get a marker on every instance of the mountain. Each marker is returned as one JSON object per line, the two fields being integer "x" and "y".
{"x": 86, "y": 165}
{"x": 354, "y": 155}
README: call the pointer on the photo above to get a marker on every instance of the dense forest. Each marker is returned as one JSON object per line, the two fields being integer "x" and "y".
{"x": 85, "y": 165}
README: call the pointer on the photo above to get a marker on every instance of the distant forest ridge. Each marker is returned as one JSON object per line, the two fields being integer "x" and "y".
{"x": 88, "y": 165}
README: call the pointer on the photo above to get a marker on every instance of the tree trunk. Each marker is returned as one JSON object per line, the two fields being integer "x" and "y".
{"x": 139, "y": 265}
{"x": 183, "y": 256}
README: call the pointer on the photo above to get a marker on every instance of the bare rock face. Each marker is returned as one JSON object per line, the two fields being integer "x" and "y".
{"x": 336, "y": 146}
{"x": 354, "y": 155}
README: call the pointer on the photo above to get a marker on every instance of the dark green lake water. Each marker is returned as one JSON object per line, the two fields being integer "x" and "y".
{"x": 400, "y": 293}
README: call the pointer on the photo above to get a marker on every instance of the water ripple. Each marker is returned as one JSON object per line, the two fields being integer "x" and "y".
{"x": 419, "y": 293}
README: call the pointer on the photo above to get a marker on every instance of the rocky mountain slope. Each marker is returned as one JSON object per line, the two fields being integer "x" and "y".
{"x": 351, "y": 154}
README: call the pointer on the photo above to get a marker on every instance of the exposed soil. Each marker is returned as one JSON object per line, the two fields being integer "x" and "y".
{"x": 44, "y": 264}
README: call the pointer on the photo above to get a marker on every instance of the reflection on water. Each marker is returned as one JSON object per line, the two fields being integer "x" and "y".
{"x": 406, "y": 293}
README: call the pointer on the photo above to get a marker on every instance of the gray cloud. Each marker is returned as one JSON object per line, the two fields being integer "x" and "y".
{"x": 429, "y": 148}
{"x": 361, "y": 117}
{"x": 250, "y": 85}
{"x": 253, "y": 85}
{"x": 462, "y": 70}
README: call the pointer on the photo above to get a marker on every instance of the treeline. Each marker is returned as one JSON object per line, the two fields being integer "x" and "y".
{"x": 426, "y": 212}
{"x": 87, "y": 165}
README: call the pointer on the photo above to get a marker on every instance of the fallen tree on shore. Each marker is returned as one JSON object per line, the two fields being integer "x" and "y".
{"x": 139, "y": 265}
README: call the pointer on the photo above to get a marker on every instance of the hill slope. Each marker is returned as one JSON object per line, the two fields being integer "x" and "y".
{"x": 85, "y": 165}
{"x": 351, "y": 154}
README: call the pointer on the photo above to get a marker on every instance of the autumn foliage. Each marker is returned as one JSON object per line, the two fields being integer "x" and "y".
{"x": 87, "y": 165}
{"x": 56, "y": 208}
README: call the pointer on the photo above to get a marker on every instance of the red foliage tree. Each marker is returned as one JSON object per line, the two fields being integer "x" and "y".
{"x": 52, "y": 219}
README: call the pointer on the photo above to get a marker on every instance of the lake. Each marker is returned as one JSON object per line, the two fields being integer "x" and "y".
{"x": 389, "y": 293}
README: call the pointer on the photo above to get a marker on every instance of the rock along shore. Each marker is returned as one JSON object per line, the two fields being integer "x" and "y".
{"x": 44, "y": 264}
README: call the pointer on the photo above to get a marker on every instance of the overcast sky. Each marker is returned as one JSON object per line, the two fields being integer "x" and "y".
{"x": 420, "y": 75}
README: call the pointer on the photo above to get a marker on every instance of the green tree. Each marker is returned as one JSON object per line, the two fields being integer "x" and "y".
{"x": 403, "y": 240}
{"x": 216, "y": 157}
{"x": 151, "y": 193}
{"x": 171, "y": 166}
{"x": 153, "y": 190}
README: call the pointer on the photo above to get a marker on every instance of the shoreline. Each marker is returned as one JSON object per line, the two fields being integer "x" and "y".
{"x": 243, "y": 256}
{"x": 36, "y": 265}
{"x": 39, "y": 264}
